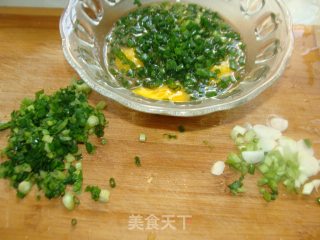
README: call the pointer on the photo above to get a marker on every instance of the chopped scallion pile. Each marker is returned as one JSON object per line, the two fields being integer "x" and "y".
{"x": 43, "y": 145}
{"x": 279, "y": 159}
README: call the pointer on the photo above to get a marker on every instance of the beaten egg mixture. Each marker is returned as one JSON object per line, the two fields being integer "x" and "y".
{"x": 164, "y": 92}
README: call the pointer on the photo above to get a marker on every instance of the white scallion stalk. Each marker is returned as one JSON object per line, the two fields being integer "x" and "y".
{"x": 267, "y": 144}
{"x": 278, "y": 123}
{"x": 142, "y": 137}
{"x": 253, "y": 156}
{"x": 104, "y": 195}
{"x": 24, "y": 187}
{"x": 218, "y": 168}
{"x": 263, "y": 131}
{"x": 236, "y": 131}
{"x": 93, "y": 121}
{"x": 288, "y": 144}
{"x": 68, "y": 201}
{"x": 300, "y": 180}
{"x": 308, "y": 187}
{"x": 309, "y": 165}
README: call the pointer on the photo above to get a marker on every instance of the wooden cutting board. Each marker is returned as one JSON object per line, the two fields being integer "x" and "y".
{"x": 173, "y": 194}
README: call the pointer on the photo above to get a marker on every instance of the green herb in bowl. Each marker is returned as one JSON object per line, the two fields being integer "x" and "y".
{"x": 175, "y": 52}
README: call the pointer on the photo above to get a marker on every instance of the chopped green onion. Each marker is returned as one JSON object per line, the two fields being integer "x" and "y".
{"x": 68, "y": 201}
{"x": 237, "y": 163}
{"x": 239, "y": 141}
{"x": 170, "y": 136}
{"x": 318, "y": 200}
{"x": 137, "y": 2}
{"x": 104, "y": 195}
{"x": 90, "y": 148}
{"x": 74, "y": 222}
{"x": 112, "y": 183}
{"x": 95, "y": 192}
{"x": 44, "y": 142}
{"x": 47, "y": 139}
{"x": 137, "y": 161}
{"x": 24, "y": 187}
{"x": 181, "y": 129}
{"x": 205, "y": 142}
{"x": 104, "y": 141}
{"x": 142, "y": 137}
{"x": 181, "y": 46}
{"x": 237, "y": 186}
{"x": 218, "y": 168}
{"x": 38, "y": 197}
{"x": 78, "y": 165}
{"x": 308, "y": 143}
{"x": 268, "y": 196}
{"x": 93, "y": 121}
{"x": 83, "y": 87}
{"x": 251, "y": 169}
{"x": 4, "y": 126}
{"x": 249, "y": 136}
{"x": 76, "y": 201}
{"x": 67, "y": 165}
{"x": 279, "y": 159}
{"x": 70, "y": 158}
{"x": 101, "y": 105}
{"x": 24, "y": 167}
{"x": 236, "y": 131}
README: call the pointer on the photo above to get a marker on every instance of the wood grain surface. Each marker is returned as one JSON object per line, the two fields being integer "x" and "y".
{"x": 175, "y": 177}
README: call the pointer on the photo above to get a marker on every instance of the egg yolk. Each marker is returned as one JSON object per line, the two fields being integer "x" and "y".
{"x": 163, "y": 92}
{"x": 131, "y": 55}
{"x": 223, "y": 68}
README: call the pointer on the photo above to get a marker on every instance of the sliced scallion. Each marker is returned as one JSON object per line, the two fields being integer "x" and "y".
{"x": 142, "y": 137}
{"x": 112, "y": 183}
{"x": 137, "y": 161}
{"x": 74, "y": 222}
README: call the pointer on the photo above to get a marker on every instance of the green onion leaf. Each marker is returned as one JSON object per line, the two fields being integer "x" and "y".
{"x": 112, "y": 183}
{"x": 237, "y": 186}
{"x": 137, "y": 161}
{"x": 95, "y": 192}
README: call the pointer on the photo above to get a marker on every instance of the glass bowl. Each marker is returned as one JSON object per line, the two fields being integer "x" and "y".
{"x": 265, "y": 27}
